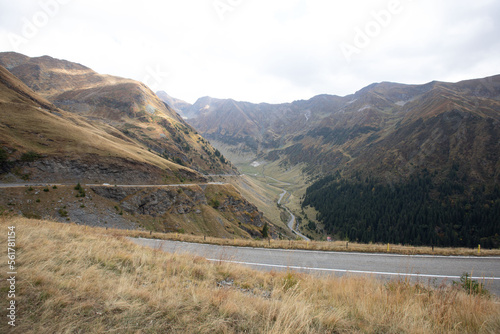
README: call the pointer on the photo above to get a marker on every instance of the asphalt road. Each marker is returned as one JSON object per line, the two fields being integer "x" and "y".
{"x": 291, "y": 221}
{"x": 423, "y": 268}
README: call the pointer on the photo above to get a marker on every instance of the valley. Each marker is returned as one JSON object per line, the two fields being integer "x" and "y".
{"x": 278, "y": 165}
{"x": 385, "y": 135}
{"x": 224, "y": 166}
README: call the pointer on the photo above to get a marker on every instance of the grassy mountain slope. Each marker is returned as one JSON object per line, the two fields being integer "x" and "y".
{"x": 127, "y": 105}
{"x": 36, "y": 135}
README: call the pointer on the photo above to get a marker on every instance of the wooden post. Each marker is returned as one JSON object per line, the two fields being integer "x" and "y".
{"x": 388, "y": 248}
{"x": 479, "y": 249}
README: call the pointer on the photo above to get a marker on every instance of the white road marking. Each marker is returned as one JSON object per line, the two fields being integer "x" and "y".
{"x": 347, "y": 271}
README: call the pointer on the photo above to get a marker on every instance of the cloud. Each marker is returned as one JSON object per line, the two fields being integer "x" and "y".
{"x": 272, "y": 51}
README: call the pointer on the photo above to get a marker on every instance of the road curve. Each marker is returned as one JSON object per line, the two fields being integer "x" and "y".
{"x": 423, "y": 268}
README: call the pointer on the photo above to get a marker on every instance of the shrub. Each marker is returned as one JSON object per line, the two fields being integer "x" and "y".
{"x": 215, "y": 203}
{"x": 289, "y": 281}
{"x": 311, "y": 225}
{"x": 30, "y": 156}
{"x": 81, "y": 191}
{"x": 471, "y": 286}
{"x": 63, "y": 213}
{"x": 3, "y": 155}
{"x": 265, "y": 231}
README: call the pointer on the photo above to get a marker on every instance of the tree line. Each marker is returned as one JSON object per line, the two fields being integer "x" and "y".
{"x": 420, "y": 211}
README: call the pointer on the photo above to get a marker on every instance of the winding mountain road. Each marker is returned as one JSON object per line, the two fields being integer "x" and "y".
{"x": 426, "y": 269}
{"x": 291, "y": 222}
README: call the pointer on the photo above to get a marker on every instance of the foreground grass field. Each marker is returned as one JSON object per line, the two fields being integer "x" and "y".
{"x": 74, "y": 279}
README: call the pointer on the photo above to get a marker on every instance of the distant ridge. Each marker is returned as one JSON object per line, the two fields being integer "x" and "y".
{"x": 384, "y": 127}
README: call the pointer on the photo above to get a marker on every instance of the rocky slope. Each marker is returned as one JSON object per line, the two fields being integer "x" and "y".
{"x": 182, "y": 209}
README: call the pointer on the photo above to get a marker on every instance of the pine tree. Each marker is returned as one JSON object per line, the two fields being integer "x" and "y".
{"x": 265, "y": 231}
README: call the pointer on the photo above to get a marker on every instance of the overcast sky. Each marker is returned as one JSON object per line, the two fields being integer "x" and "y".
{"x": 261, "y": 50}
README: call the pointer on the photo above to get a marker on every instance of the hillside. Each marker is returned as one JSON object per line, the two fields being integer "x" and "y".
{"x": 41, "y": 143}
{"x": 127, "y": 105}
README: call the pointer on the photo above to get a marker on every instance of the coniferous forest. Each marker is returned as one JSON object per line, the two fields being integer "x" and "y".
{"x": 421, "y": 211}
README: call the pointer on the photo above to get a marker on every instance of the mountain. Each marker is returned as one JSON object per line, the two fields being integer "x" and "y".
{"x": 395, "y": 163}
{"x": 41, "y": 143}
{"x": 179, "y": 105}
{"x": 127, "y": 105}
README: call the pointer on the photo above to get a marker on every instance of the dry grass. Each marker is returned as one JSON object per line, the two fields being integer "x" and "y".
{"x": 73, "y": 279}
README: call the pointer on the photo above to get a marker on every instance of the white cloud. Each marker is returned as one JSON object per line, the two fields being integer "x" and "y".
{"x": 272, "y": 51}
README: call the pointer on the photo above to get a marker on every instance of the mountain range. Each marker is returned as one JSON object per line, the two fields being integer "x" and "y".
{"x": 383, "y": 129}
